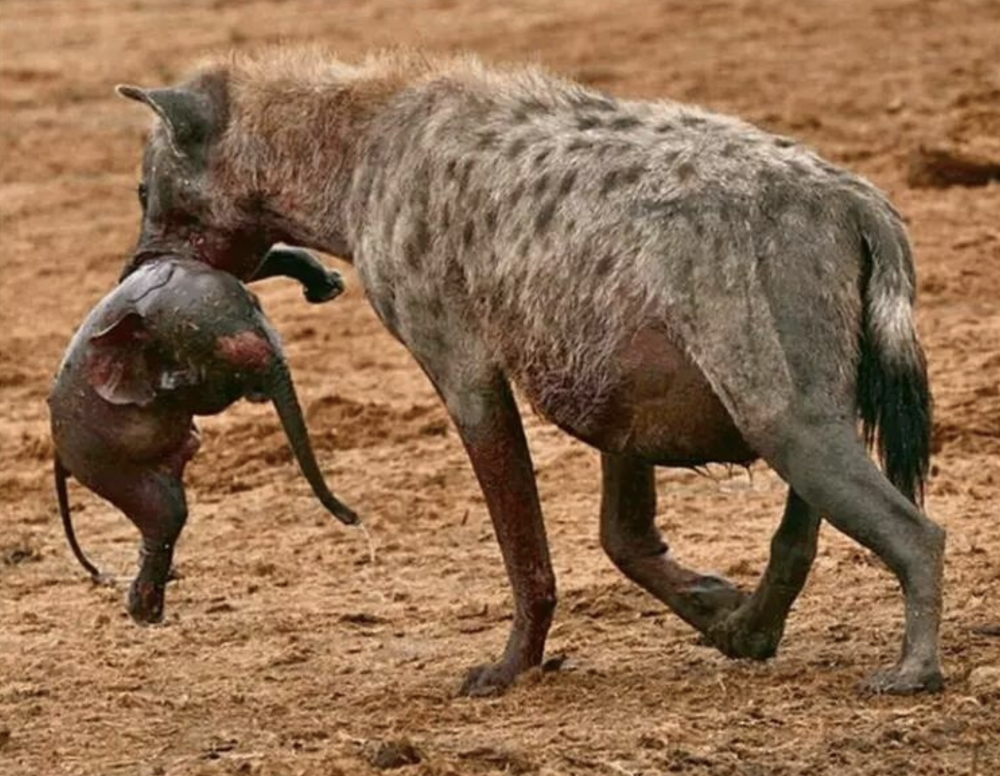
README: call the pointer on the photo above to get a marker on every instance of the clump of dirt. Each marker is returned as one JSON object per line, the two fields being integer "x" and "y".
{"x": 22, "y": 549}
{"x": 969, "y": 152}
{"x": 389, "y": 755}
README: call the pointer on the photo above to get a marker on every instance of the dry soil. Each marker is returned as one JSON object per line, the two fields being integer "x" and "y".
{"x": 285, "y": 649}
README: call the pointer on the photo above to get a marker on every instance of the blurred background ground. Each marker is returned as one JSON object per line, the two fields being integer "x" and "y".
{"x": 285, "y": 651}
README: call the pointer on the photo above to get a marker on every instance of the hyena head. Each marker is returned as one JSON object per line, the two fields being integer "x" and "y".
{"x": 189, "y": 208}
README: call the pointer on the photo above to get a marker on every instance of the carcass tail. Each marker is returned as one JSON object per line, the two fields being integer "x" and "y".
{"x": 61, "y": 475}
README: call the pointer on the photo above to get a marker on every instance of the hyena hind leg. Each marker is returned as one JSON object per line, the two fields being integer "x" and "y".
{"x": 756, "y": 628}
{"x": 828, "y": 466}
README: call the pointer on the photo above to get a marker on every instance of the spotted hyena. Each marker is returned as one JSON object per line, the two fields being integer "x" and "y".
{"x": 672, "y": 286}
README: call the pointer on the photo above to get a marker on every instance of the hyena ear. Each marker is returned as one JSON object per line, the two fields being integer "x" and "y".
{"x": 186, "y": 115}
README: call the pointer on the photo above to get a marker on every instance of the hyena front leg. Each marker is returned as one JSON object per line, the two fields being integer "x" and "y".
{"x": 480, "y": 402}
{"x": 490, "y": 427}
{"x": 631, "y": 539}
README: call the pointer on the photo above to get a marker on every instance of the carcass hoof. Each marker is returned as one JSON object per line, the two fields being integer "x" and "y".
{"x": 903, "y": 681}
{"x": 486, "y": 680}
{"x": 145, "y": 602}
{"x": 329, "y": 288}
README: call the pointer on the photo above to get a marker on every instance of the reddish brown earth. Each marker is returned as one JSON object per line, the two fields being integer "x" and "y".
{"x": 285, "y": 650}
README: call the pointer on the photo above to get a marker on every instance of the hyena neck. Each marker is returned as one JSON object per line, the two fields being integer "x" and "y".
{"x": 294, "y": 142}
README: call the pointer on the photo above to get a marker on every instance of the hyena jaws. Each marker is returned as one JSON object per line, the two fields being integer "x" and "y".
{"x": 672, "y": 286}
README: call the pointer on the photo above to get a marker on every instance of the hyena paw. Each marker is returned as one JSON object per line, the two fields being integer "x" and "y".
{"x": 710, "y": 599}
{"x": 736, "y": 638}
{"x": 904, "y": 680}
{"x": 488, "y": 679}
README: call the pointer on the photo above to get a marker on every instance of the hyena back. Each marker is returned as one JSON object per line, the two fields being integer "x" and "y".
{"x": 673, "y": 286}
{"x": 555, "y": 226}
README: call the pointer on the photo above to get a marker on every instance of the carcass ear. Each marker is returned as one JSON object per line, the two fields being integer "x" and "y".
{"x": 187, "y": 115}
{"x": 122, "y": 366}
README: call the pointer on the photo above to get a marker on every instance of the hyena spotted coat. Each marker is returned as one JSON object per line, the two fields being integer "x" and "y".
{"x": 672, "y": 286}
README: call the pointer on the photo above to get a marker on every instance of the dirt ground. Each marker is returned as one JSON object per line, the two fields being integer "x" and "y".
{"x": 285, "y": 649}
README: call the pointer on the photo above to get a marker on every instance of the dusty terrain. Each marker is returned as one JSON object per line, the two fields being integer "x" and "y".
{"x": 285, "y": 650}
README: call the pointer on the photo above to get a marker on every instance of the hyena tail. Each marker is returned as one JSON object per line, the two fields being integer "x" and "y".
{"x": 894, "y": 398}
{"x": 62, "y": 494}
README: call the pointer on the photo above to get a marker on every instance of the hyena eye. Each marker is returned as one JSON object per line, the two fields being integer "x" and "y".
{"x": 143, "y": 195}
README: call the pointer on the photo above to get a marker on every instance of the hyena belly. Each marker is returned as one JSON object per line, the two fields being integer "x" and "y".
{"x": 650, "y": 401}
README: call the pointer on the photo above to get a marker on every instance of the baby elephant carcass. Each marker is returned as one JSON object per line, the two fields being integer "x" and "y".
{"x": 175, "y": 339}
